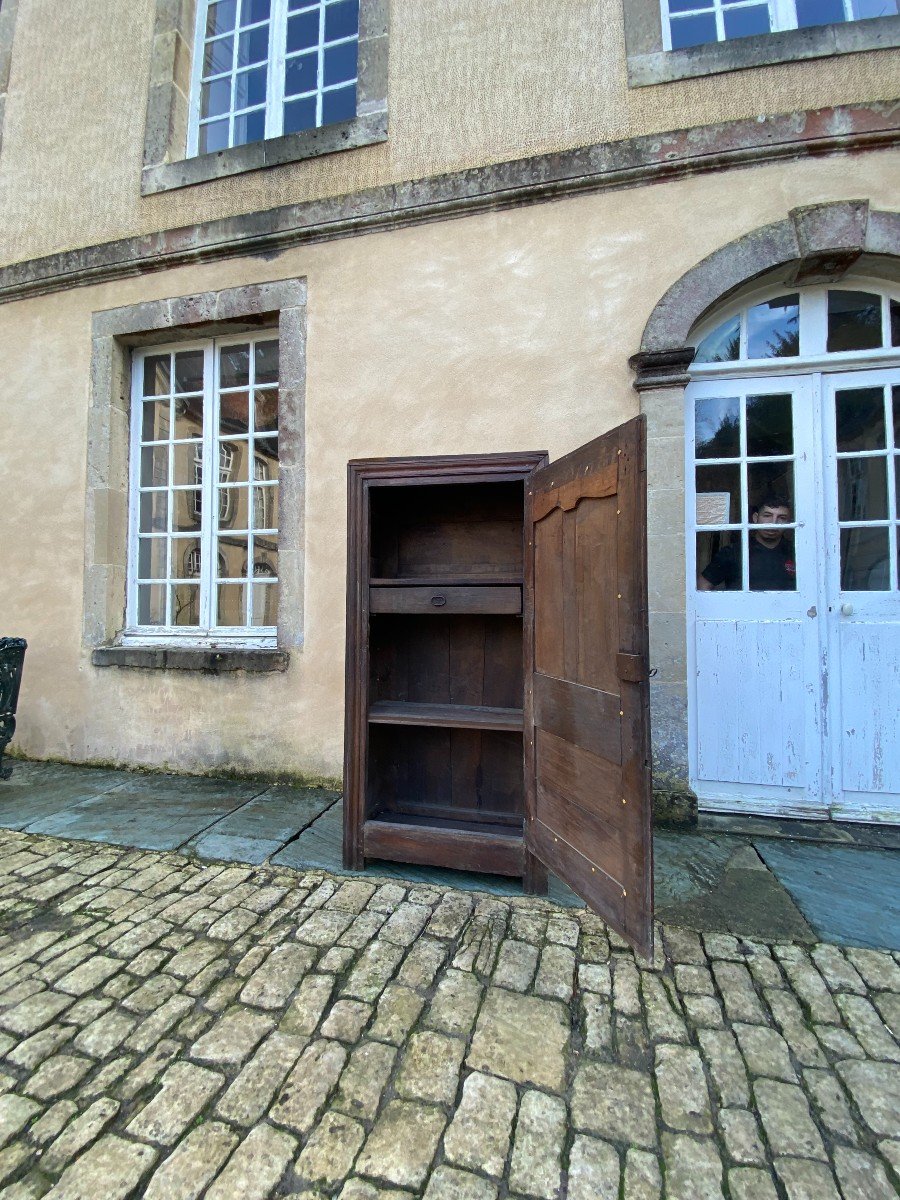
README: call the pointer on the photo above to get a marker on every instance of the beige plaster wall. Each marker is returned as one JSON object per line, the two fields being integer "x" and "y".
{"x": 471, "y": 82}
{"x": 506, "y": 331}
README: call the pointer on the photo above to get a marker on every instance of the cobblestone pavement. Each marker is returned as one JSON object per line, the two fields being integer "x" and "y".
{"x": 175, "y": 1030}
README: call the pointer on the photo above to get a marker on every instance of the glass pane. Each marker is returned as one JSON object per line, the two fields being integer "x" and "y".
{"x": 153, "y": 557}
{"x": 189, "y": 371}
{"x": 249, "y": 127}
{"x": 234, "y": 508}
{"x": 265, "y": 413}
{"x": 231, "y": 604}
{"x": 218, "y": 57}
{"x": 341, "y": 20}
{"x": 220, "y": 17}
{"x": 769, "y": 425}
{"x": 266, "y": 366}
{"x": 188, "y": 417}
{"x": 770, "y": 491}
{"x": 773, "y": 328}
{"x": 265, "y": 605}
{"x": 233, "y": 462}
{"x": 234, "y": 412}
{"x": 865, "y": 565}
{"x": 186, "y": 510}
{"x": 215, "y": 97}
{"x": 819, "y": 12}
{"x": 265, "y": 557}
{"x": 213, "y": 137}
{"x": 718, "y": 495}
{"x": 722, "y": 345}
{"x": 339, "y": 105}
{"x": 693, "y": 31}
{"x": 299, "y": 115}
{"x": 250, "y": 88}
{"x": 253, "y": 46}
{"x": 188, "y": 463}
{"x": 265, "y": 507}
{"x": 185, "y": 558}
{"x": 156, "y": 375}
{"x": 875, "y": 8}
{"x": 267, "y": 448}
{"x": 895, "y": 322}
{"x": 744, "y": 22}
{"x": 854, "y": 321}
{"x": 152, "y": 604}
{"x": 303, "y": 31}
{"x": 717, "y": 427}
{"x": 719, "y": 561}
{"x": 772, "y": 564}
{"x": 186, "y": 604}
{"x": 681, "y": 6}
{"x": 154, "y": 512}
{"x": 896, "y": 398}
{"x": 862, "y": 489}
{"x": 233, "y": 556}
{"x": 255, "y": 10}
{"x": 300, "y": 74}
{"x": 155, "y": 466}
{"x": 296, "y": 5}
{"x": 234, "y": 366}
{"x": 155, "y": 423}
{"x": 340, "y": 63}
{"x": 859, "y": 419}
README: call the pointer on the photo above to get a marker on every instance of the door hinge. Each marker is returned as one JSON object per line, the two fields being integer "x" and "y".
{"x": 631, "y": 668}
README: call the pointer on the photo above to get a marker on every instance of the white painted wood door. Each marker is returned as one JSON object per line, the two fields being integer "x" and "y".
{"x": 861, "y": 412}
{"x": 794, "y": 690}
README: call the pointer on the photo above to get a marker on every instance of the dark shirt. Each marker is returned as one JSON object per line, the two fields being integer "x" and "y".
{"x": 770, "y": 570}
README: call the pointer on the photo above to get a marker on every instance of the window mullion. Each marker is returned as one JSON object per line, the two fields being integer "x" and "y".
{"x": 209, "y": 513}
{"x": 277, "y": 53}
{"x": 134, "y": 498}
{"x": 193, "y": 141}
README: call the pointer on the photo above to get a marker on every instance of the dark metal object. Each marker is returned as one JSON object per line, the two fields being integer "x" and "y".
{"x": 12, "y": 656}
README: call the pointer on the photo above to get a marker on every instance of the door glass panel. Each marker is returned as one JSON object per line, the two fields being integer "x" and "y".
{"x": 895, "y": 322}
{"x": 771, "y": 485}
{"x": 896, "y": 398}
{"x": 186, "y": 604}
{"x": 769, "y": 426}
{"x": 717, "y": 423}
{"x": 188, "y": 416}
{"x": 865, "y": 563}
{"x": 773, "y": 328}
{"x": 719, "y": 561}
{"x": 157, "y": 375}
{"x": 854, "y": 321}
{"x": 859, "y": 418}
{"x": 862, "y": 489}
{"x": 719, "y": 495}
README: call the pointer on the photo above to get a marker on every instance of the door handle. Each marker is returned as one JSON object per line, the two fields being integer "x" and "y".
{"x": 846, "y": 610}
{"x": 438, "y": 600}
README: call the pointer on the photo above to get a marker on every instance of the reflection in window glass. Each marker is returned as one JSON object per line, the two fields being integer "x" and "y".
{"x": 745, "y": 22}
{"x": 895, "y": 322}
{"x": 819, "y": 12}
{"x": 859, "y": 419}
{"x": 865, "y": 561}
{"x": 862, "y": 489}
{"x": 773, "y": 328}
{"x": 717, "y": 426}
{"x": 722, "y": 345}
{"x": 896, "y": 398}
{"x": 719, "y": 495}
{"x": 769, "y": 426}
{"x": 771, "y": 485}
{"x": 719, "y": 561}
{"x": 862, "y": 9}
{"x": 854, "y": 321}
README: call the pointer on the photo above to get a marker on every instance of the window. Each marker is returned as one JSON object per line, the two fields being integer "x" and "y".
{"x": 204, "y": 491}
{"x": 264, "y": 68}
{"x": 695, "y": 22}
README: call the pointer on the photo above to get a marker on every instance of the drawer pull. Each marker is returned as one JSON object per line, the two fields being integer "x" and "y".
{"x": 438, "y": 600}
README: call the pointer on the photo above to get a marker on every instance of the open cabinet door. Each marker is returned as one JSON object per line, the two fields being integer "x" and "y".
{"x": 587, "y": 724}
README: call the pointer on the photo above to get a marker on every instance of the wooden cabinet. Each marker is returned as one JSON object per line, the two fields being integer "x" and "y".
{"x": 496, "y": 670}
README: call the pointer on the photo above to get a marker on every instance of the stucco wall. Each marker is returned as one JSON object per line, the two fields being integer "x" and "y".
{"x": 471, "y": 82}
{"x": 505, "y": 331}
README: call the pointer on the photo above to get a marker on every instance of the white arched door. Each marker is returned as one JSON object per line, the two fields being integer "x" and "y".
{"x": 793, "y": 566}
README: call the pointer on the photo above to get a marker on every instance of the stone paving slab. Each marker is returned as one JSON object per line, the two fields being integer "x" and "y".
{"x": 170, "y": 1028}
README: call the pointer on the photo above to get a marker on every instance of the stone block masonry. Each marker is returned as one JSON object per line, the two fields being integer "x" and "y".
{"x": 174, "y": 1029}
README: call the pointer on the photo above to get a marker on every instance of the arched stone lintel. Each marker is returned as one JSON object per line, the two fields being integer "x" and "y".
{"x": 817, "y": 243}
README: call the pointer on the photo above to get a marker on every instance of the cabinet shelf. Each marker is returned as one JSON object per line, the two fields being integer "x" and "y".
{"x": 453, "y": 716}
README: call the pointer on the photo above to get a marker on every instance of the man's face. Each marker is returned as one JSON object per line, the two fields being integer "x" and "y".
{"x": 778, "y": 514}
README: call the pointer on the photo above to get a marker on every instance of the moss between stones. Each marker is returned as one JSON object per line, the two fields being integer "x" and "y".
{"x": 674, "y": 803}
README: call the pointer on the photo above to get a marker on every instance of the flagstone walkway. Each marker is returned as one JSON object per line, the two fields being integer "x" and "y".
{"x": 174, "y": 1029}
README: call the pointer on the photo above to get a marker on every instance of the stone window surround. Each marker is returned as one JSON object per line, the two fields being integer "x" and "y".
{"x": 814, "y": 244}
{"x": 114, "y": 332}
{"x": 165, "y": 135}
{"x": 8, "y": 13}
{"x": 649, "y": 63}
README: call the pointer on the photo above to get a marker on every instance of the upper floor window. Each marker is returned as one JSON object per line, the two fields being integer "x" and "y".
{"x": 204, "y": 491}
{"x": 265, "y": 68}
{"x": 804, "y": 324}
{"x": 696, "y": 22}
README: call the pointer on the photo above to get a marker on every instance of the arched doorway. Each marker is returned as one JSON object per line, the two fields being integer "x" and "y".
{"x": 792, "y": 483}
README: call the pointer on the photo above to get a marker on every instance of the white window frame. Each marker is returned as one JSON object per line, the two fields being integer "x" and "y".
{"x": 275, "y": 77}
{"x": 206, "y": 634}
{"x": 782, "y": 16}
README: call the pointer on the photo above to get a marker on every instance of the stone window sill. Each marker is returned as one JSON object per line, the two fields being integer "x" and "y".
{"x": 209, "y": 661}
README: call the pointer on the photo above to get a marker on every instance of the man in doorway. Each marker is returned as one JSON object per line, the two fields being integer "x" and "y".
{"x": 772, "y": 566}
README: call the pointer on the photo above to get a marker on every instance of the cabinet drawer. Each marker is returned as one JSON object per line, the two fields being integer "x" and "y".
{"x": 445, "y": 600}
